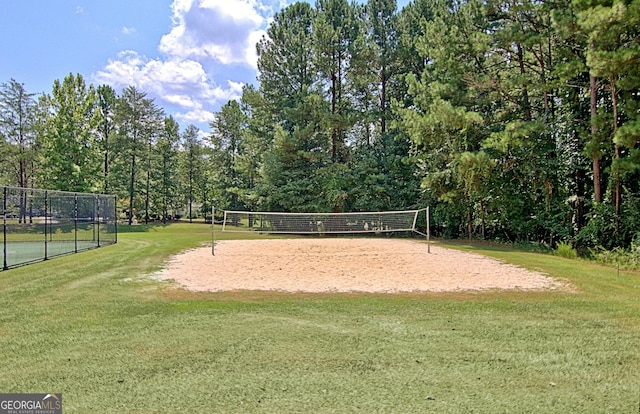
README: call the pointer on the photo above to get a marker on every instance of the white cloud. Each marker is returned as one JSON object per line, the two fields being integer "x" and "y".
{"x": 222, "y": 30}
{"x": 179, "y": 83}
{"x": 196, "y": 116}
{"x": 209, "y": 42}
{"x": 128, "y": 30}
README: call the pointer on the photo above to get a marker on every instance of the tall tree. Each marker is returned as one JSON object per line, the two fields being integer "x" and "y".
{"x": 443, "y": 115}
{"x": 17, "y": 127}
{"x": 384, "y": 35}
{"x": 165, "y": 173}
{"x": 285, "y": 62}
{"x": 193, "y": 167}
{"x": 227, "y": 136}
{"x": 362, "y": 81}
{"x": 258, "y": 137}
{"x": 70, "y": 157}
{"x": 526, "y": 45}
{"x": 288, "y": 81}
{"x": 291, "y": 179}
{"x": 613, "y": 56}
{"x": 18, "y": 113}
{"x": 335, "y": 31}
{"x": 139, "y": 121}
{"x": 580, "y": 142}
{"x": 106, "y": 127}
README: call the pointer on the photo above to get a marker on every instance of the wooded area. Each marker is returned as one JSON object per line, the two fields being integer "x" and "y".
{"x": 515, "y": 120}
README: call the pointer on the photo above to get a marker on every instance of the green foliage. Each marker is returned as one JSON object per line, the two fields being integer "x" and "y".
{"x": 626, "y": 259}
{"x": 227, "y": 139}
{"x": 18, "y": 129}
{"x": 291, "y": 179}
{"x": 601, "y": 224}
{"x": 381, "y": 177}
{"x": 140, "y": 122}
{"x": 566, "y": 250}
{"x": 106, "y": 130}
{"x": 165, "y": 173}
{"x": 195, "y": 181}
{"x": 603, "y": 231}
{"x": 285, "y": 60}
{"x": 69, "y": 156}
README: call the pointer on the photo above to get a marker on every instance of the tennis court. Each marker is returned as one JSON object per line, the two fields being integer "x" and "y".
{"x": 41, "y": 224}
{"x": 25, "y": 252}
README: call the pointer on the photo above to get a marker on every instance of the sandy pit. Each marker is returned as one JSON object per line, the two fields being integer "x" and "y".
{"x": 344, "y": 265}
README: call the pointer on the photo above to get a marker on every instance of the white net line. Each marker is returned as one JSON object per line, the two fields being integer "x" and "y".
{"x": 321, "y": 223}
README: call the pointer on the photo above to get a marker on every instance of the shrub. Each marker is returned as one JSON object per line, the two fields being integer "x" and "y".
{"x": 623, "y": 258}
{"x": 565, "y": 250}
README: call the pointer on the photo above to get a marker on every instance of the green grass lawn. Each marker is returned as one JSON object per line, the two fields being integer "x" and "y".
{"x": 95, "y": 327}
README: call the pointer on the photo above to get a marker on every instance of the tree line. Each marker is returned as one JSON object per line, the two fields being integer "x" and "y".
{"x": 89, "y": 139}
{"x": 514, "y": 120}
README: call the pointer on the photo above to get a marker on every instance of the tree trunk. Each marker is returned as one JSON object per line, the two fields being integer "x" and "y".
{"x": 526, "y": 105}
{"x": 132, "y": 187}
{"x": 595, "y": 156}
{"x": 616, "y": 170}
{"x": 334, "y": 131}
{"x": 147, "y": 201}
{"x": 484, "y": 223}
{"x": 383, "y": 101}
{"x": 106, "y": 162}
{"x": 469, "y": 219}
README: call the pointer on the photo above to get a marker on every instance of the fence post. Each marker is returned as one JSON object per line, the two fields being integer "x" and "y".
{"x": 46, "y": 219}
{"x": 428, "y": 231}
{"x": 96, "y": 207}
{"x": 5, "y": 265}
{"x": 115, "y": 217}
{"x": 75, "y": 222}
{"x": 213, "y": 231}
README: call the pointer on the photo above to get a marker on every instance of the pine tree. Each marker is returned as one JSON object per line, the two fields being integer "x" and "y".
{"x": 285, "y": 62}
{"x": 612, "y": 28}
{"x": 106, "y": 127}
{"x": 335, "y": 31}
{"x": 139, "y": 122}
{"x": 165, "y": 172}
{"x": 227, "y": 139}
{"x": 18, "y": 130}
{"x": 192, "y": 168}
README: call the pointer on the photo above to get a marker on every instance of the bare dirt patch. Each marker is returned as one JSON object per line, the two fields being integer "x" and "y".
{"x": 344, "y": 265}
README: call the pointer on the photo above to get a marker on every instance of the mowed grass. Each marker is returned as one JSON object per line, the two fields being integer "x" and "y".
{"x": 97, "y": 328}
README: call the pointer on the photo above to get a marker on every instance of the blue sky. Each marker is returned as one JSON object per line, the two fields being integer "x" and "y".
{"x": 191, "y": 56}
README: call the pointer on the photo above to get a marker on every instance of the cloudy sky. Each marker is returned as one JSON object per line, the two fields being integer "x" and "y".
{"x": 191, "y": 56}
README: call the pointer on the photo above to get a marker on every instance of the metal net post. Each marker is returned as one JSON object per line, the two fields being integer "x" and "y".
{"x": 5, "y": 265}
{"x": 428, "y": 232}
{"x": 213, "y": 231}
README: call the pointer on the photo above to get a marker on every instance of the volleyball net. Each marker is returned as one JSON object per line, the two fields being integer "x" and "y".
{"x": 327, "y": 223}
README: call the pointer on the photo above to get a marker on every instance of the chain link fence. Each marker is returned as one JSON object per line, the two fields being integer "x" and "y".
{"x": 40, "y": 224}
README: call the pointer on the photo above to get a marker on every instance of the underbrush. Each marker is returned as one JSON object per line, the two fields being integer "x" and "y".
{"x": 628, "y": 259}
{"x": 624, "y": 259}
{"x": 565, "y": 250}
